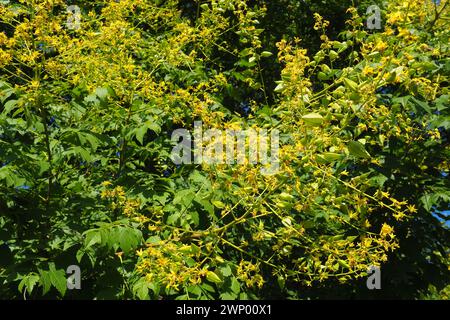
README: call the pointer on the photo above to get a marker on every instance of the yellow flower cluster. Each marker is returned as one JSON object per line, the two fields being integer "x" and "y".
{"x": 119, "y": 201}
{"x": 386, "y": 231}
{"x": 5, "y": 58}
{"x": 321, "y": 23}
{"x": 248, "y": 273}
{"x": 166, "y": 264}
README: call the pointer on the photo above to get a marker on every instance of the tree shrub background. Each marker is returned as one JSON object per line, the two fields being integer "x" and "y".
{"x": 86, "y": 176}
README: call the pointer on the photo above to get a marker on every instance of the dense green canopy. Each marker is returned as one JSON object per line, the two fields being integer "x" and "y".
{"x": 91, "y": 94}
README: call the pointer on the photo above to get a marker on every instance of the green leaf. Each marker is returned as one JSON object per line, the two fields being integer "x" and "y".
{"x": 6, "y": 93}
{"x": 425, "y": 65}
{"x": 86, "y": 251}
{"x": 140, "y": 133}
{"x": 207, "y": 287}
{"x": 140, "y": 289}
{"x": 226, "y": 271}
{"x": 218, "y": 204}
{"x": 9, "y": 106}
{"x": 83, "y": 153}
{"x": 235, "y": 286}
{"x": 79, "y": 255}
{"x": 314, "y": 119}
{"x": 422, "y": 104}
{"x": 102, "y": 93}
{"x": 184, "y": 197}
{"x": 58, "y": 280}
{"x": 331, "y": 156}
{"x": 173, "y": 218}
{"x": 92, "y": 237}
{"x": 350, "y": 84}
{"x": 128, "y": 238}
{"x": 45, "y": 281}
{"x": 281, "y": 282}
{"x": 357, "y": 149}
{"x": 195, "y": 217}
{"x": 280, "y": 87}
{"x": 228, "y": 296}
{"x": 378, "y": 180}
{"x": 213, "y": 277}
{"x": 88, "y": 137}
{"x": 333, "y": 55}
{"x": 428, "y": 201}
{"x": 29, "y": 282}
{"x": 403, "y": 101}
{"x": 43, "y": 166}
{"x": 142, "y": 130}
{"x": 322, "y": 76}
{"x": 343, "y": 264}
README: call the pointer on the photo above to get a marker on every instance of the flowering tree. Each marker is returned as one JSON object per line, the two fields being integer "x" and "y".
{"x": 89, "y": 100}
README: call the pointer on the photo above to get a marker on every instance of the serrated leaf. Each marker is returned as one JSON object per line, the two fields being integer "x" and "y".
{"x": 195, "y": 217}
{"x": 140, "y": 133}
{"x": 226, "y": 271}
{"x": 45, "y": 281}
{"x": 9, "y": 106}
{"x": 428, "y": 200}
{"x": 235, "y": 286}
{"x": 92, "y": 238}
{"x": 83, "y": 153}
{"x": 29, "y": 282}
{"x": 59, "y": 281}
{"x": 140, "y": 289}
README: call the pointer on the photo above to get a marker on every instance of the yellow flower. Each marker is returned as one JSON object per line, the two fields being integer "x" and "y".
{"x": 149, "y": 277}
{"x": 3, "y": 38}
{"x": 162, "y": 262}
{"x": 403, "y": 32}
{"x": 389, "y": 31}
{"x": 5, "y": 58}
{"x": 381, "y": 46}
{"x": 105, "y": 194}
{"x": 368, "y": 70}
{"x": 366, "y": 242}
{"x": 34, "y": 84}
{"x": 412, "y": 208}
{"x": 320, "y": 22}
{"x": 106, "y": 183}
{"x": 386, "y": 230}
{"x": 394, "y": 17}
{"x": 120, "y": 254}
{"x": 120, "y": 193}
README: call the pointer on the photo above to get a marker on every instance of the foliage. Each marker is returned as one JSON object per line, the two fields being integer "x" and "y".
{"x": 85, "y": 132}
